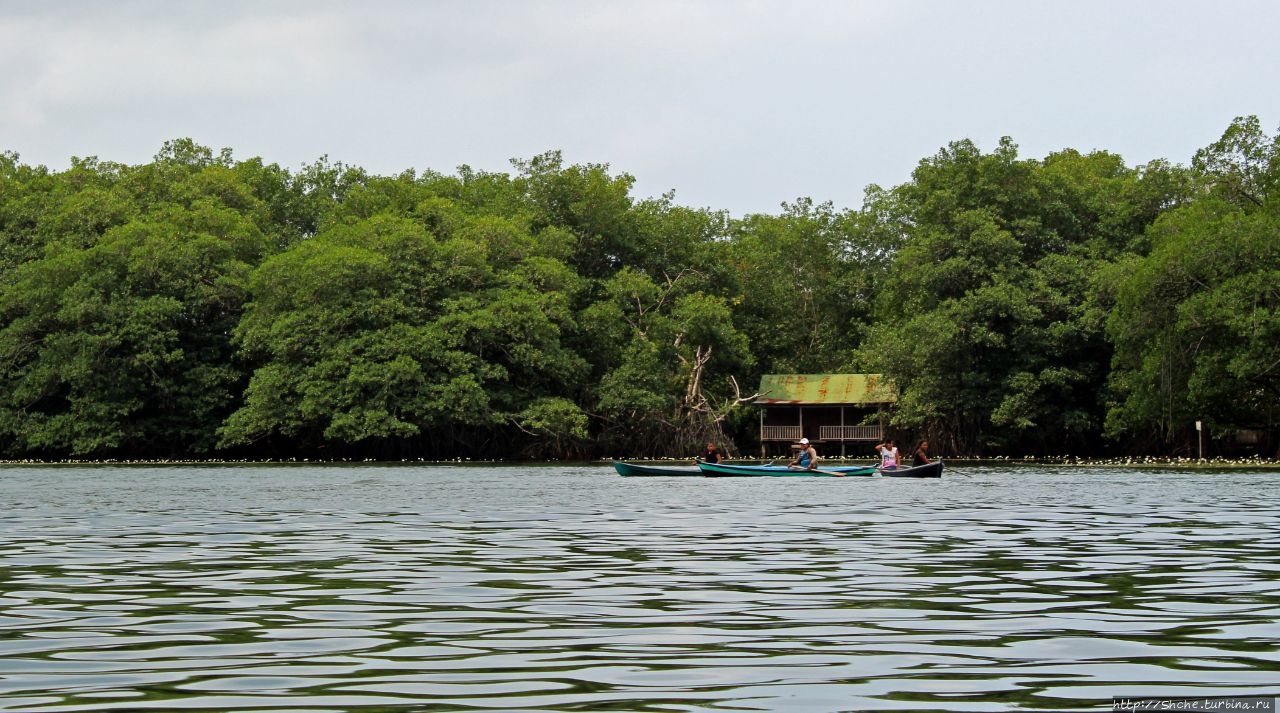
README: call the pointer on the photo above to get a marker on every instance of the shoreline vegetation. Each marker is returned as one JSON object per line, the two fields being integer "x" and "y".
{"x": 1142, "y": 461}
{"x": 202, "y": 308}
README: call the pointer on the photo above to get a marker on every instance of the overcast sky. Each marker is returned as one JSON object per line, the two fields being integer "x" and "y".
{"x": 733, "y": 104}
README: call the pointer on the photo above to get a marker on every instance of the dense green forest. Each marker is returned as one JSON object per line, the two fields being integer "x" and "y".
{"x": 200, "y": 306}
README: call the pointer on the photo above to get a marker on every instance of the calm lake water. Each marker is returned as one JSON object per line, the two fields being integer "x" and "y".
{"x": 568, "y": 588}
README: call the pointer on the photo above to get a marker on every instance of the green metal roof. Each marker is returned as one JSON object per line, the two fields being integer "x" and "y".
{"x": 825, "y": 389}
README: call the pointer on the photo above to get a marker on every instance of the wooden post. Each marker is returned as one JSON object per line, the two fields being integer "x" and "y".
{"x": 842, "y": 431}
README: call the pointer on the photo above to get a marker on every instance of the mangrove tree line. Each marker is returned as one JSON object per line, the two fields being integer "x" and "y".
{"x": 202, "y": 306}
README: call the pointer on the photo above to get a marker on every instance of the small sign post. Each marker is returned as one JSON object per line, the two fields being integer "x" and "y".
{"x": 1199, "y": 441}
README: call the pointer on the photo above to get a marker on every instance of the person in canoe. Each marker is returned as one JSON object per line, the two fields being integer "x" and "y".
{"x": 921, "y": 454}
{"x": 711, "y": 456}
{"x": 888, "y": 454}
{"x": 806, "y": 457}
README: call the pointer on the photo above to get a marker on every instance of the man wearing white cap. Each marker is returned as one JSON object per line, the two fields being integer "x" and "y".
{"x": 807, "y": 457}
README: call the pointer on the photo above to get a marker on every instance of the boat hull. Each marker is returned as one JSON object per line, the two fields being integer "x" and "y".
{"x": 724, "y": 470}
{"x": 632, "y": 470}
{"x": 932, "y": 470}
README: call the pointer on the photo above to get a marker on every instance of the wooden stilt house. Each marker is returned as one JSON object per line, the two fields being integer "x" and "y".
{"x": 836, "y": 412}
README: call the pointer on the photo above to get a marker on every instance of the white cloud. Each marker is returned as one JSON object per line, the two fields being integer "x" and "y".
{"x": 109, "y": 59}
{"x": 734, "y": 103}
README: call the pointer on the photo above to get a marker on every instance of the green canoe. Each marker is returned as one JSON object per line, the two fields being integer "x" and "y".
{"x": 724, "y": 470}
{"x": 634, "y": 469}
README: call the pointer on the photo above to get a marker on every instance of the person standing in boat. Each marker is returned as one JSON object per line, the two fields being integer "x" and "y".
{"x": 806, "y": 457}
{"x": 921, "y": 454}
{"x": 711, "y": 456}
{"x": 888, "y": 454}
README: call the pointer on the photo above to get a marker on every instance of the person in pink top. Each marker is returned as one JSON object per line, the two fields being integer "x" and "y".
{"x": 888, "y": 454}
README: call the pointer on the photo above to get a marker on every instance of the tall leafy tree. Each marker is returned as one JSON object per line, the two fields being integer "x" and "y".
{"x": 1195, "y": 321}
{"x": 672, "y": 340}
{"x": 804, "y": 282}
{"x": 588, "y": 202}
{"x": 984, "y": 321}
{"x": 121, "y": 346}
{"x": 380, "y": 331}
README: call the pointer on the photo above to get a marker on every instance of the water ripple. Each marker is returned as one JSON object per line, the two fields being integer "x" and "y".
{"x": 563, "y": 589}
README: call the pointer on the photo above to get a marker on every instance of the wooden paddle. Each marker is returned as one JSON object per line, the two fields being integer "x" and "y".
{"x": 874, "y": 474}
{"x": 832, "y": 473}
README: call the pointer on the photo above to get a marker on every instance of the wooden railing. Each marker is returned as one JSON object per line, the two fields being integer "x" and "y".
{"x": 851, "y": 433}
{"x": 825, "y": 433}
{"x": 780, "y": 433}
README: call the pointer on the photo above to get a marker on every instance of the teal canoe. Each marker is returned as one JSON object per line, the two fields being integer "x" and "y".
{"x": 725, "y": 470}
{"x": 632, "y": 470}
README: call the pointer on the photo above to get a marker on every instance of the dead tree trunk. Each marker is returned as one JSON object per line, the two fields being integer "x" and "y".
{"x": 698, "y": 420}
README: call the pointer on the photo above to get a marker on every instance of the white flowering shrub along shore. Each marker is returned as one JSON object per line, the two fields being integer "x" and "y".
{"x": 246, "y": 461}
{"x": 1247, "y": 461}
{"x": 1121, "y": 461}
{"x": 1254, "y": 461}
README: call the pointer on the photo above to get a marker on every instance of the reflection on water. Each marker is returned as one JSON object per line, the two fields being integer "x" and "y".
{"x": 571, "y": 589}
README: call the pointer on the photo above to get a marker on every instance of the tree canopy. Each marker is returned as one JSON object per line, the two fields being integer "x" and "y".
{"x": 200, "y": 306}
